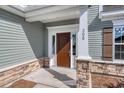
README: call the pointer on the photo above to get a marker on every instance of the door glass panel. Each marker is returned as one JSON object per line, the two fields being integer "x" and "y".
{"x": 122, "y": 36}
{"x": 74, "y": 44}
{"x": 53, "y": 44}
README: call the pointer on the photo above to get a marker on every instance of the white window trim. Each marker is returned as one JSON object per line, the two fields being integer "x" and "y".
{"x": 113, "y": 48}
{"x": 113, "y": 45}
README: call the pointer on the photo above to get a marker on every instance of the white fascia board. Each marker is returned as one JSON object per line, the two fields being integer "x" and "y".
{"x": 53, "y": 15}
{"x": 64, "y": 27}
{"x": 66, "y": 17}
{"x": 112, "y": 15}
{"x": 52, "y": 18}
{"x": 12, "y": 10}
{"x": 48, "y": 10}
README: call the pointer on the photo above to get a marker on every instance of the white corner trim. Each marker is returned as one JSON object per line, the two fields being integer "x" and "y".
{"x": 12, "y": 10}
{"x": 112, "y": 15}
{"x": 100, "y": 10}
{"x": 64, "y": 27}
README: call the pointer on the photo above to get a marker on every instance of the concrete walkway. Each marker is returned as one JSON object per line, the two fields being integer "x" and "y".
{"x": 53, "y": 78}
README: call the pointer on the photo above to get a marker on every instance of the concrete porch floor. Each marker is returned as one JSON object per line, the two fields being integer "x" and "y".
{"x": 53, "y": 78}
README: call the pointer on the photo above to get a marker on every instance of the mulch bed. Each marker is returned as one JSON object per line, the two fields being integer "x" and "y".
{"x": 23, "y": 84}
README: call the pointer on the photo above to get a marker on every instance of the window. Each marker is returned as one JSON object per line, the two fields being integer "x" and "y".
{"x": 119, "y": 42}
{"x": 74, "y": 44}
{"x": 53, "y": 44}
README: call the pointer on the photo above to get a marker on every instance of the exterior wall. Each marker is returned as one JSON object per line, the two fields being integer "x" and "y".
{"x": 29, "y": 37}
{"x": 99, "y": 74}
{"x": 108, "y": 8}
{"x": 10, "y": 75}
{"x": 95, "y": 32}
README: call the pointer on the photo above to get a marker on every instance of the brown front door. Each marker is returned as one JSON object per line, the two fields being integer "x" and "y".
{"x": 63, "y": 49}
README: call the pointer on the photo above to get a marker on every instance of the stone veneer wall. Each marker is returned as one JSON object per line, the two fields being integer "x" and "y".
{"x": 99, "y": 75}
{"x": 14, "y": 73}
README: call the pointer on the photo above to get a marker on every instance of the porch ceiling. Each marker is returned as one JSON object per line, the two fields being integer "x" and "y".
{"x": 45, "y": 13}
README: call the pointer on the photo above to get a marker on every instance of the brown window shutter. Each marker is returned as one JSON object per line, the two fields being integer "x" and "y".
{"x": 107, "y": 44}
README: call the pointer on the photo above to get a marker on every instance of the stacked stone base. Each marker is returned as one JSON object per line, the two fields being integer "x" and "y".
{"x": 99, "y": 74}
{"x": 14, "y": 73}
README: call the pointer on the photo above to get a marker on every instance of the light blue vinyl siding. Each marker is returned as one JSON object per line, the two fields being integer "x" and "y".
{"x": 95, "y": 33}
{"x": 95, "y": 44}
{"x": 20, "y": 41}
{"x": 14, "y": 45}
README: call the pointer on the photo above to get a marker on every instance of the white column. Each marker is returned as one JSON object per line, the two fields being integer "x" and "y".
{"x": 82, "y": 38}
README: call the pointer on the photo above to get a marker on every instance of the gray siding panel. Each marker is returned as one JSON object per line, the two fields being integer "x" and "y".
{"x": 14, "y": 44}
{"x": 95, "y": 44}
{"x": 95, "y": 29}
{"x": 20, "y": 41}
{"x": 46, "y": 42}
{"x": 95, "y": 33}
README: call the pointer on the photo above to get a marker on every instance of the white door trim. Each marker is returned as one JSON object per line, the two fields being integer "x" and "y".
{"x": 59, "y": 29}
